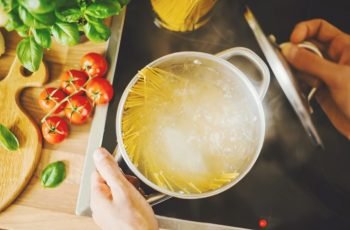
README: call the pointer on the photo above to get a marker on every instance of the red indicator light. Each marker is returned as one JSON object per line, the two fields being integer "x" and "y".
{"x": 262, "y": 223}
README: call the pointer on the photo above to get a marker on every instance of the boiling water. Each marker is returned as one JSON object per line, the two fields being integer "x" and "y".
{"x": 190, "y": 128}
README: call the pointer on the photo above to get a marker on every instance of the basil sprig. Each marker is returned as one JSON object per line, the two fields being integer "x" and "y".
{"x": 7, "y": 139}
{"x": 66, "y": 20}
{"x": 53, "y": 174}
{"x": 29, "y": 53}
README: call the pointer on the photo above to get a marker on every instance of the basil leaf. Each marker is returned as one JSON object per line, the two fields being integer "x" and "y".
{"x": 42, "y": 37}
{"x": 81, "y": 28}
{"x": 30, "y": 53}
{"x": 38, "y": 21}
{"x": 97, "y": 32}
{"x": 124, "y": 2}
{"x": 13, "y": 21}
{"x": 8, "y": 5}
{"x": 7, "y": 139}
{"x": 39, "y": 6}
{"x": 53, "y": 174}
{"x": 121, "y": 2}
{"x": 69, "y": 15}
{"x": 23, "y": 30}
{"x": 93, "y": 19}
{"x": 102, "y": 10}
{"x": 83, "y": 4}
{"x": 48, "y": 19}
{"x": 66, "y": 33}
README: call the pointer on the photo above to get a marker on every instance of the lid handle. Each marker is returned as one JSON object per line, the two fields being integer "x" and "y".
{"x": 316, "y": 82}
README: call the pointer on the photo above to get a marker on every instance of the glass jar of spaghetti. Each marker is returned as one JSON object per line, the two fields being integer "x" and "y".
{"x": 182, "y": 15}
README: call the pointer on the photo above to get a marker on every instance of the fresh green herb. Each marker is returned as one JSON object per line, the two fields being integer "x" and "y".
{"x": 53, "y": 174}
{"x": 97, "y": 32}
{"x": 39, "y": 6}
{"x": 29, "y": 53}
{"x": 69, "y": 15}
{"x": 42, "y": 37}
{"x": 23, "y": 31}
{"x": 8, "y": 5}
{"x": 37, "y": 20}
{"x": 7, "y": 139}
{"x": 102, "y": 10}
{"x": 66, "y": 33}
{"x": 13, "y": 21}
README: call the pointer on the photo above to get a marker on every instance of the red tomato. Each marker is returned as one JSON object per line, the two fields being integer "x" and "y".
{"x": 50, "y": 97}
{"x": 73, "y": 80}
{"x": 78, "y": 109}
{"x": 54, "y": 130}
{"x": 94, "y": 64}
{"x": 99, "y": 90}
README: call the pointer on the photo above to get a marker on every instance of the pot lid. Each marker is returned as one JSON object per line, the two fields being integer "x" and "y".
{"x": 285, "y": 77}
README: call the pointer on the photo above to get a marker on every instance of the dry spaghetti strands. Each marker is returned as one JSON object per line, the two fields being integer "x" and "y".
{"x": 182, "y": 15}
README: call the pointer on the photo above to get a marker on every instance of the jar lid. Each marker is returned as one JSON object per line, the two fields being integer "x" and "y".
{"x": 285, "y": 77}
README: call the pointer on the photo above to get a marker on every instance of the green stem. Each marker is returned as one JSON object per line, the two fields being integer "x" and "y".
{"x": 82, "y": 88}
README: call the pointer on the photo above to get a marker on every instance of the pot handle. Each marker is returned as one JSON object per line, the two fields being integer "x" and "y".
{"x": 153, "y": 198}
{"x": 256, "y": 60}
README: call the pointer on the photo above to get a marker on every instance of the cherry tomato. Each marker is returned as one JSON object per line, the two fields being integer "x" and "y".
{"x": 54, "y": 129}
{"x": 50, "y": 97}
{"x": 78, "y": 109}
{"x": 94, "y": 64}
{"x": 73, "y": 80}
{"x": 99, "y": 90}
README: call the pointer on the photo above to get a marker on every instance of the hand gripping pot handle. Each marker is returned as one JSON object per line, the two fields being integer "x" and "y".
{"x": 256, "y": 60}
{"x": 152, "y": 199}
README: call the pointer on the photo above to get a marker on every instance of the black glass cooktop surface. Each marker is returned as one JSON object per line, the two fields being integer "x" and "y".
{"x": 293, "y": 184}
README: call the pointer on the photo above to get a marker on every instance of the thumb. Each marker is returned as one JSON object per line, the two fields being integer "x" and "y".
{"x": 110, "y": 172}
{"x": 308, "y": 62}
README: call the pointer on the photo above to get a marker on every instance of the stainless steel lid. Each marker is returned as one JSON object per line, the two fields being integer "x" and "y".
{"x": 285, "y": 78}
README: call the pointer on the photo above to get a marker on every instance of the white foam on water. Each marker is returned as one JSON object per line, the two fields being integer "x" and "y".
{"x": 177, "y": 148}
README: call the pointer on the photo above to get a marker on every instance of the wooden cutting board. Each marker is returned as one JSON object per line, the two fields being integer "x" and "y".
{"x": 17, "y": 167}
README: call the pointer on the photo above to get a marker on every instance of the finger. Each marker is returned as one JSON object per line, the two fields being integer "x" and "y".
{"x": 311, "y": 63}
{"x": 110, "y": 172}
{"x": 339, "y": 46}
{"x": 100, "y": 185}
{"x": 338, "y": 119}
{"x": 345, "y": 56}
{"x": 309, "y": 80}
{"x": 100, "y": 192}
{"x": 316, "y": 28}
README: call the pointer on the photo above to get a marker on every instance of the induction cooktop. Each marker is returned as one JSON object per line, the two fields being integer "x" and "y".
{"x": 293, "y": 185}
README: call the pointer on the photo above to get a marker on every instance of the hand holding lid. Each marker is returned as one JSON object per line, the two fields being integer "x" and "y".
{"x": 334, "y": 71}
